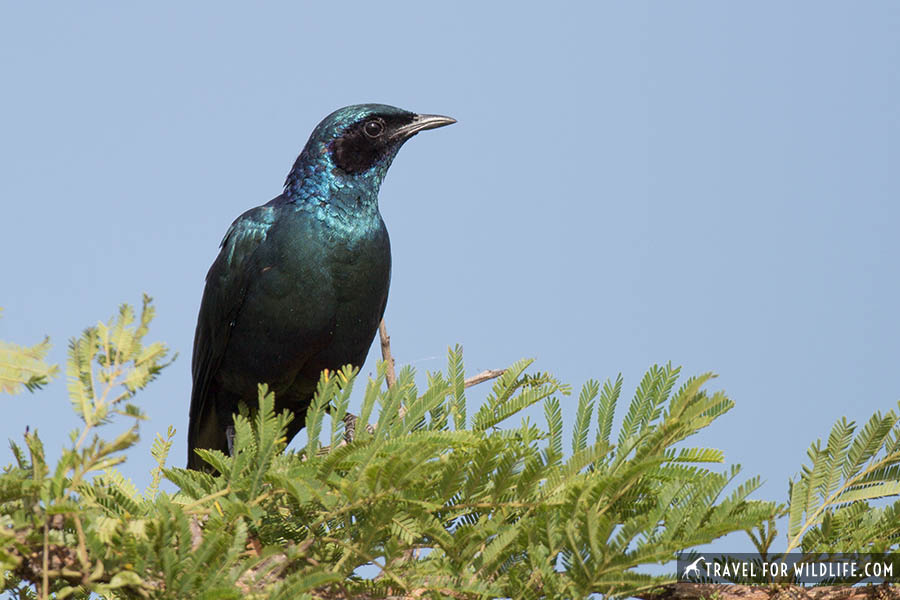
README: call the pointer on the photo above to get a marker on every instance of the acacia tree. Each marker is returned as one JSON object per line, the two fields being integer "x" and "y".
{"x": 412, "y": 497}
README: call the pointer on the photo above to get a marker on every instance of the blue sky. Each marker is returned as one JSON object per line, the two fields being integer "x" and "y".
{"x": 712, "y": 184}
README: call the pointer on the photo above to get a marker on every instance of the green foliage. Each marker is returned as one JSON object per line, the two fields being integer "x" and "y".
{"x": 831, "y": 500}
{"x": 23, "y": 367}
{"x": 418, "y": 495}
{"x": 845, "y": 500}
{"x": 490, "y": 511}
{"x": 55, "y": 529}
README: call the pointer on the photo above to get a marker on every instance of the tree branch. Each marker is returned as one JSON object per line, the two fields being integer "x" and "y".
{"x": 699, "y": 591}
{"x": 483, "y": 376}
{"x": 390, "y": 375}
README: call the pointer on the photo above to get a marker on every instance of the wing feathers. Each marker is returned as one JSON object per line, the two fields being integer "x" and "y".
{"x": 226, "y": 286}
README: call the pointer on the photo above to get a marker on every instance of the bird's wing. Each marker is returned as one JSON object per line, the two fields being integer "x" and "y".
{"x": 223, "y": 296}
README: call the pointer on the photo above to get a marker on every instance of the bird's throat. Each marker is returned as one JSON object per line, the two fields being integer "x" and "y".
{"x": 344, "y": 202}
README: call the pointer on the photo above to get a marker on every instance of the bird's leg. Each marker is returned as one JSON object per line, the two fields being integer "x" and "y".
{"x": 349, "y": 427}
{"x": 229, "y": 436}
{"x": 350, "y": 422}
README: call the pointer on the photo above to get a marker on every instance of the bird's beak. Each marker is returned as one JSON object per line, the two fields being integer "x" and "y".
{"x": 421, "y": 123}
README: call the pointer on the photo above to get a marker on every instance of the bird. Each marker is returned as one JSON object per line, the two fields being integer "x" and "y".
{"x": 300, "y": 283}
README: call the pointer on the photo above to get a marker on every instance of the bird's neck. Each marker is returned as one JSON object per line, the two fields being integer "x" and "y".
{"x": 339, "y": 200}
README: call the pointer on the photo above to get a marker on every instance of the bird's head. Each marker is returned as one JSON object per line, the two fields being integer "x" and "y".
{"x": 358, "y": 143}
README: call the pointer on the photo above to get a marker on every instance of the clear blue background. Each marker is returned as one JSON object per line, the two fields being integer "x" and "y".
{"x": 629, "y": 183}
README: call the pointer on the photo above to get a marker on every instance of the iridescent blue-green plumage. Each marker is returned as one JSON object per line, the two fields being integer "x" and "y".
{"x": 301, "y": 282}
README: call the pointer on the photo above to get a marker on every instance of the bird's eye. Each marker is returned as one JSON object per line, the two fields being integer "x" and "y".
{"x": 374, "y": 128}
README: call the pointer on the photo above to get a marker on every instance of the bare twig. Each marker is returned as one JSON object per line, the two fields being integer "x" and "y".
{"x": 45, "y": 577}
{"x": 82, "y": 546}
{"x": 483, "y": 376}
{"x": 264, "y": 573}
{"x": 196, "y": 533}
{"x": 390, "y": 375}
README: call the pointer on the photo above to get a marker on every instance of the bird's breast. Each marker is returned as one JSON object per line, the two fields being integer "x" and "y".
{"x": 314, "y": 302}
{"x": 359, "y": 273}
{"x": 344, "y": 267}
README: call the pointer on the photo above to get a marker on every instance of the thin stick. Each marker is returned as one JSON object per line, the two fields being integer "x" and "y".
{"x": 45, "y": 577}
{"x": 483, "y": 376}
{"x": 390, "y": 375}
{"x": 82, "y": 546}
